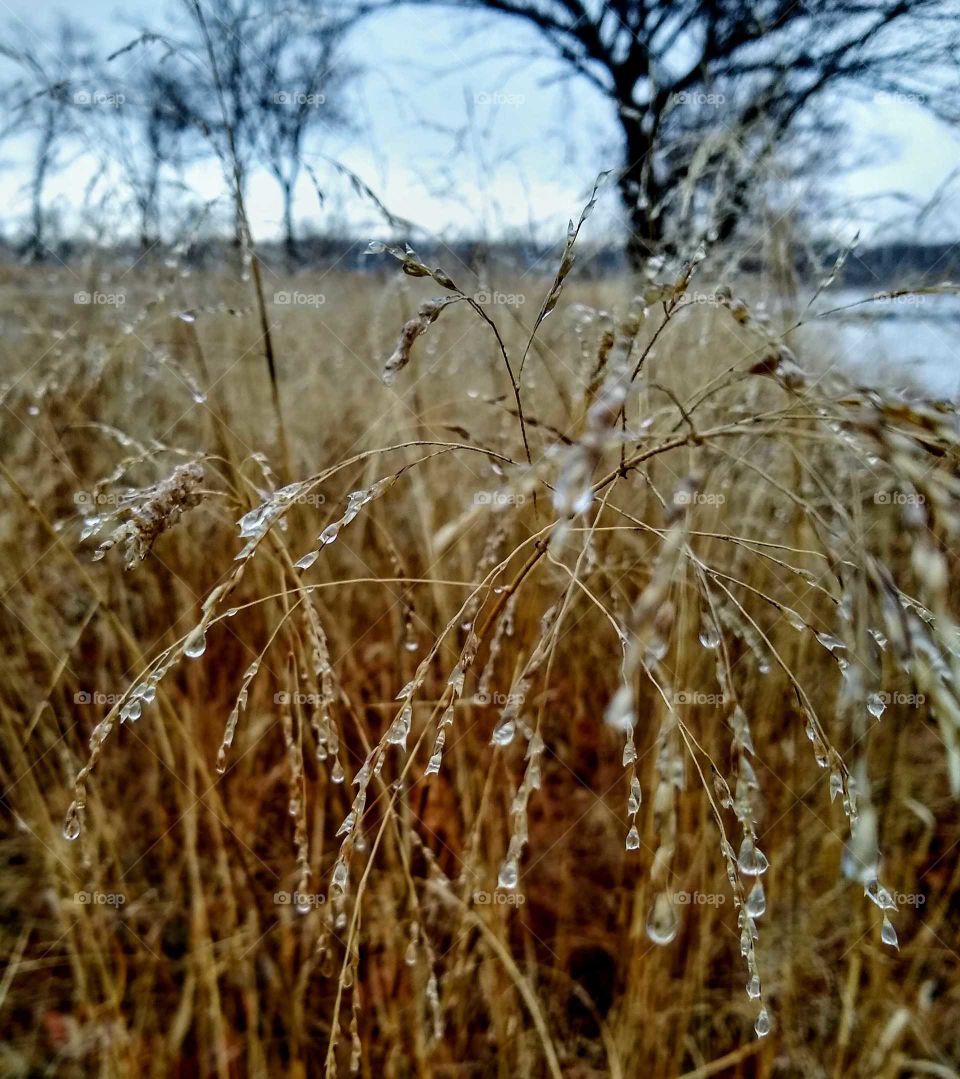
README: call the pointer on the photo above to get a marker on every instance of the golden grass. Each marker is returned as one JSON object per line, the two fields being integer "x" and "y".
{"x": 695, "y": 514}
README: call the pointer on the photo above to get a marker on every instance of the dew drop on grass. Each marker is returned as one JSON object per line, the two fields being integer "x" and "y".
{"x": 751, "y": 861}
{"x": 330, "y": 533}
{"x": 509, "y": 875}
{"x": 503, "y": 733}
{"x": 753, "y": 988}
{"x": 303, "y": 903}
{"x": 875, "y": 705}
{"x": 633, "y": 838}
{"x": 400, "y": 728}
{"x": 71, "y": 823}
{"x": 336, "y": 773}
{"x": 341, "y": 875}
{"x": 131, "y": 710}
{"x": 793, "y": 618}
{"x": 196, "y": 644}
{"x": 620, "y": 714}
{"x": 756, "y": 900}
{"x": 831, "y": 643}
{"x": 709, "y": 638}
{"x": 629, "y": 752}
{"x": 308, "y": 560}
{"x": 836, "y": 785}
{"x": 762, "y": 1025}
{"x": 888, "y": 934}
{"x": 410, "y": 958}
{"x": 662, "y": 924}
{"x": 455, "y": 681}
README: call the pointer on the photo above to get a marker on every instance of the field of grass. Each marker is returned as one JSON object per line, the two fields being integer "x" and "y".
{"x": 582, "y": 705}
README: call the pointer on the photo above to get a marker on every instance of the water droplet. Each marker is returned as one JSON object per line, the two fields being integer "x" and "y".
{"x": 303, "y": 903}
{"x": 330, "y": 533}
{"x": 629, "y": 752}
{"x": 751, "y": 860}
{"x": 709, "y": 637}
{"x": 308, "y": 560}
{"x": 410, "y": 958}
{"x": 876, "y": 705}
{"x": 400, "y": 728}
{"x": 762, "y": 1025}
{"x": 888, "y": 934}
{"x": 71, "y": 823}
{"x": 831, "y": 643}
{"x": 662, "y": 923}
{"x": 793, "y": 618}
{"x": 503, "y": 733}
{"x": 753, "y": 987}
{"x": 455, "y": 681}
{"x": 633, "y": 838}
{"x": 410, "y": 644}
{"x": 756, "y": 901}
{"x": 509, "y": 875}
{"x": 876, "y": 892}
{"x": 836, "y": 784}
{"x": 196, "y": 644}
{"x": 620, "y": 714}
{"x": 131, "y": 710}
{"x": 336, "y": 773}
{"x": 341, "y": 875}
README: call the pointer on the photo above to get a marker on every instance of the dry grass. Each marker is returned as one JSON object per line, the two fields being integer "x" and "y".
{"x": 711, "y": 558}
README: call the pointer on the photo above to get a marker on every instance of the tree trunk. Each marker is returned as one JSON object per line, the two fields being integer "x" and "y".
{"x": 640, "y": 194}
{"x": 289, "y": 242}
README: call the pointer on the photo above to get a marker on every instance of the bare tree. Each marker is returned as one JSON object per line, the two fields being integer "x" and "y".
{"x": 300, "y": 61}
{"x": 706, "y": 92}
{"x": 45, "y": 99}
{"x": 253, "y": 82}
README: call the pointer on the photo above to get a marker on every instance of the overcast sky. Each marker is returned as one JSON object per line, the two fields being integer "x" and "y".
{"x": 428, "y": 140}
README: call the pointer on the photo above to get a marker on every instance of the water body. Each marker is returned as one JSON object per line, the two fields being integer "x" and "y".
{"x": 908, "y": 341}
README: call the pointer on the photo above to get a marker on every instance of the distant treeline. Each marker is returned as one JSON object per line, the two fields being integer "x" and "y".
{"x": 878, "y": 267}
